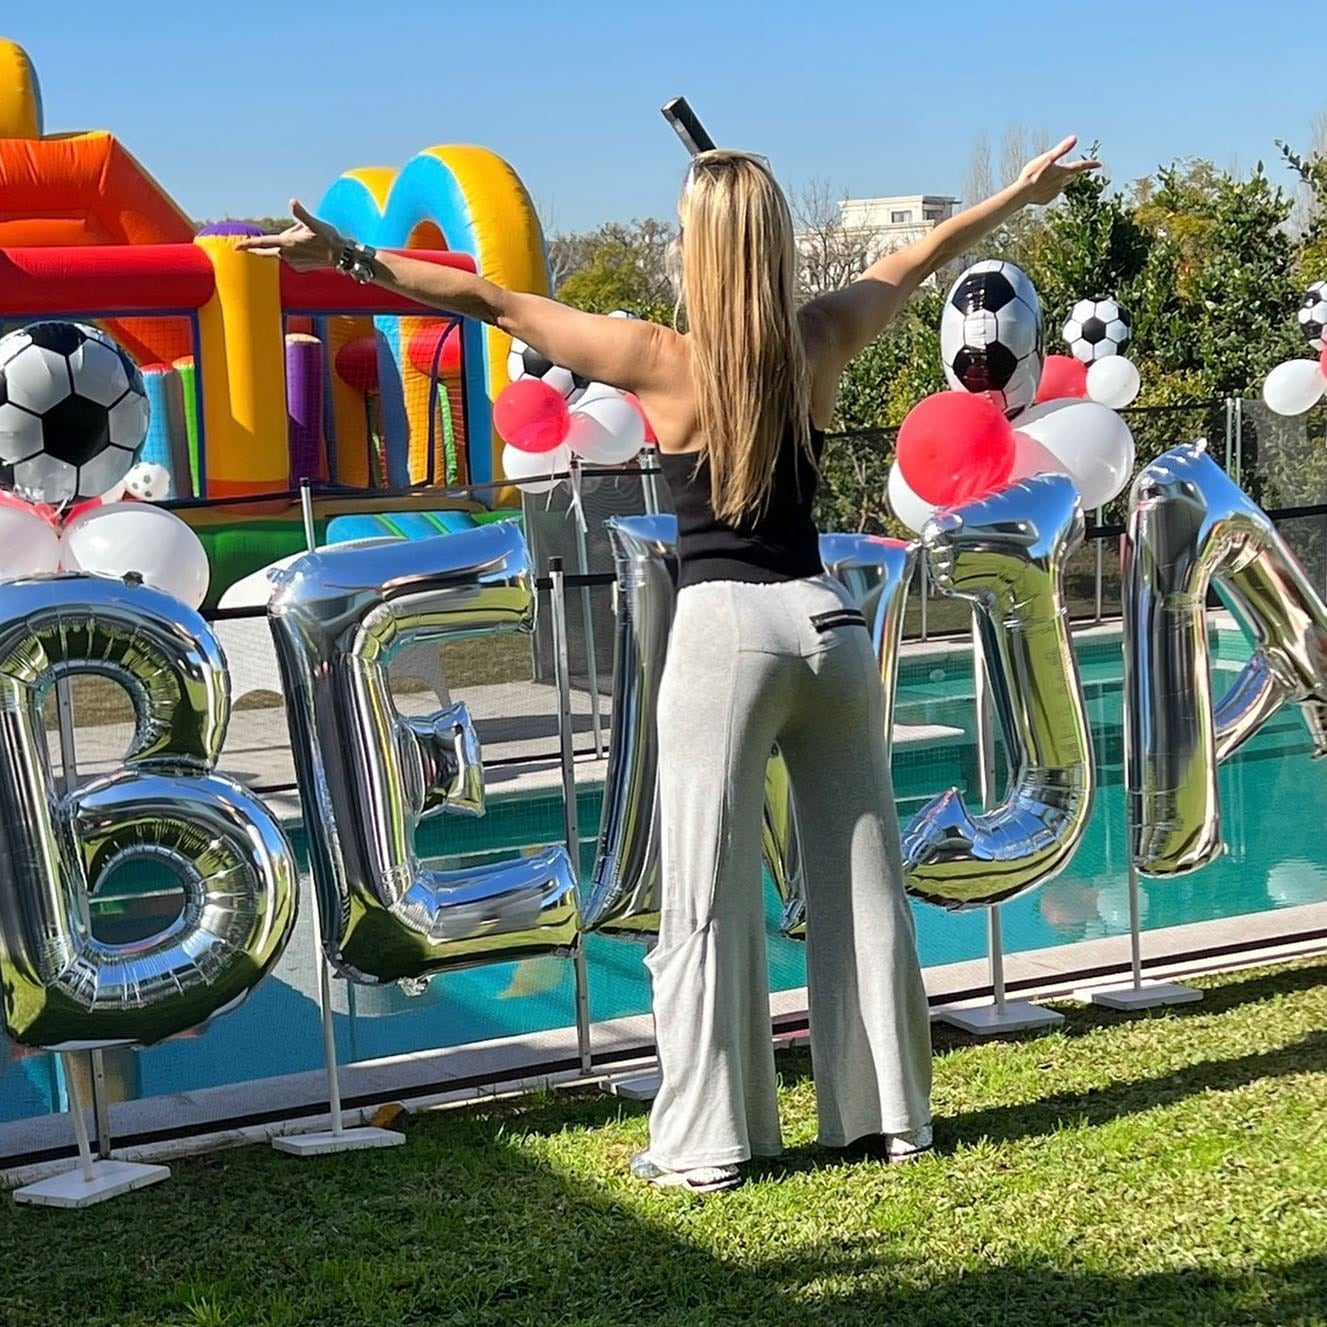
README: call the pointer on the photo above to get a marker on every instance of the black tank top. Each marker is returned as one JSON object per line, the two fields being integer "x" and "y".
{"x": 782, "y": 544}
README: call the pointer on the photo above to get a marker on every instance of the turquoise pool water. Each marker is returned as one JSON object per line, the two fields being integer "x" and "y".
{"x": 1275, "y": 807}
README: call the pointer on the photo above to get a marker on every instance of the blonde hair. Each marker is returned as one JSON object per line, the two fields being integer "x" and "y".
{"x": 748, "y": 364}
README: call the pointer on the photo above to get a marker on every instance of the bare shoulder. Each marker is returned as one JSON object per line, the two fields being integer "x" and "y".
{"x": 668, "y": 398}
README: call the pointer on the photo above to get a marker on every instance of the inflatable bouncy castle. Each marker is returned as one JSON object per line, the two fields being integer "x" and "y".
{"x": 259, "y": 376}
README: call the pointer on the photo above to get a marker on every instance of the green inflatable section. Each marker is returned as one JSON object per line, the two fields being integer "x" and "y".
{"x": 237, "y": 549}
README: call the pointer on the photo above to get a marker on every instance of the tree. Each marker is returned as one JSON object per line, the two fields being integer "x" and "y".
{"x": 829, "y": 254}
{"x": 896, "y": 370}
{"x": 1089, "y": 245}
{"x": 1013, "y": 154}
{"x": 618, "y": 266}
{"x": 1309, "y": 218}
{"x": 980, "y": 182}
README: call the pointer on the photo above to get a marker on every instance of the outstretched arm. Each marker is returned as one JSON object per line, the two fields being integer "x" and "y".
{"x": 841, "y": 323}
{"x": 623, "y": 352}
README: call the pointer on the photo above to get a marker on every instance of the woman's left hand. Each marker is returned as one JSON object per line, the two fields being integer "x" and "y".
{"x": 307, "y": 245}
{"x": 1044, "y": 178}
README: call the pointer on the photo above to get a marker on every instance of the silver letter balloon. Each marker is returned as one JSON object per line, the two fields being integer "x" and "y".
{"x": 367, "y": 775}
{"x": 1191, "y": 525}
{"x": 1007, "y": 553}
{"x": 64, "y": 987}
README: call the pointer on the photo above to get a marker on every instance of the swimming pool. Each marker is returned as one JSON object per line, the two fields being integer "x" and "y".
{"x": 1274, "y": 803}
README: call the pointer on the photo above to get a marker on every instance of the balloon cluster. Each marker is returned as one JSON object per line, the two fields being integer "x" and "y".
{"x": 74, "y": 410}
{"x": 1299, "y": 384}
{"x": 119, "y": 534}
{"x": 546, "y": 419}
{"x": 1012, "y": 414}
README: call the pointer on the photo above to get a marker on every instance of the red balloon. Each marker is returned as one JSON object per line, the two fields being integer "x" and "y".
{"x": 357, "y": 363}
{"x": 531, "y": 415}
{"x": 1062, "y": 376}
{"x": 422, "y": 347}
{"x": 1323, "y": 361}
{"x": 651, "y": 438}
{"x": 953, "y": 446}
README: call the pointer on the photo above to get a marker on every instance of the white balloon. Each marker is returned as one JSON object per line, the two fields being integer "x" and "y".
{"x": 114, "y": 493}
{"x": 912, "y": 510}
{"x": 1113, "y": 382}
{"x": 606, "y": 430}
{"x": 29, "y": 546}
{"x": 601, "y": 391}
{"x": 135, "y": 538}
{"x": 1294, "y": 387}
{"x": 1031, "y": 458}
{"x": 1089, "y": 442}
{"x": 530, "y": 470}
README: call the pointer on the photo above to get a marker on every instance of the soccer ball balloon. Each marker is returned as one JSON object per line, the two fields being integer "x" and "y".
{"x": 991, "y": 336}
{"x": 526, "y": 362}
{"x": 1097, "y": 328}
{"x": 148, "y": 482}
{"x": 73, "y": 412}
{"x": 1313, "y": 314}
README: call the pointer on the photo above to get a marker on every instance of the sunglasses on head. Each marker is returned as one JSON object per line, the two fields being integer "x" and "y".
{"x": 699, "y": 160}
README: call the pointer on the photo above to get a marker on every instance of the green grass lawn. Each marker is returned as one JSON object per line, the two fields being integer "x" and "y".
{"x": 1170, "y": 1168}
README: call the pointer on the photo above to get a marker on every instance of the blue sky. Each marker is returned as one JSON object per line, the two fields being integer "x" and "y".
{"x": 234, "y": 106}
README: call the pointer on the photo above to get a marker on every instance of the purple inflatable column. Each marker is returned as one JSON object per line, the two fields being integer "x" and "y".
{"x": 304, "y": 406}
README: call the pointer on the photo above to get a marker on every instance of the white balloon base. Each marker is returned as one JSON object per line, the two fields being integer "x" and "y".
{"x": 1138, "y": 994}
{"x": 990, "y": 1020}
{"x": 84, "y": 1188}
{"x": 327, "y": 1141}
{"x": 1146, "y": 995}
{"x": 638, "y": 1087}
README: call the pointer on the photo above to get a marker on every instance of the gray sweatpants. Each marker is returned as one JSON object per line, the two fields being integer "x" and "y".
{"x": 747, "y": 667}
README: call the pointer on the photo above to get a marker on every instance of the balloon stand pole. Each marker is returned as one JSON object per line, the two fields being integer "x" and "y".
{"x": 67, "y": 728}
{"x": 1138, "y": 994}
{"x": 338, "y": 1138}
{"x": 1002, "y": 1015}
{"x": 91, "y": 1181}
{"x": 562, "y": 665}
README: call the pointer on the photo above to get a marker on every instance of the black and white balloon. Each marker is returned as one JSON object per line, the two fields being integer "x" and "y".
{"x": 1313, "y": 314}
{"x": 1097, "y": 328}
{"x": 73, "y": 412}
{"x": 991, "y": 335}
{"x": 525, "y": 361}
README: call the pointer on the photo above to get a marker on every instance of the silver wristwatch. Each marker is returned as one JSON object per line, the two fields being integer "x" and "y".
{"x": 356, "y": 261}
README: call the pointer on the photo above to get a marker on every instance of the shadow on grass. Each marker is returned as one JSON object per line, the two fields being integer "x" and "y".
{"x": 471, "y": 1224}
{"x": 501, "y": 1216}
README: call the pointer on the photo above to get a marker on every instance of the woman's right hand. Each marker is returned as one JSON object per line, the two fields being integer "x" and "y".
{"x": 1045, "y": 177}
{"x": 307, "y": 245}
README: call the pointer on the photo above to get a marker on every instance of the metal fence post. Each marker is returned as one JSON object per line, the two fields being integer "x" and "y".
{"x": 571, "y": 818}
{"x": 926, "y": 592}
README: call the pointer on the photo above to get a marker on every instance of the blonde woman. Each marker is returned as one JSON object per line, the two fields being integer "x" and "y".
{"x": 765, "y": 648}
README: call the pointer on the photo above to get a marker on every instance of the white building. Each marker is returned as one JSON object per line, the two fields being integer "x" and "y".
{"x": 891, "y": 223}
{"x": 841, "y": 240}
